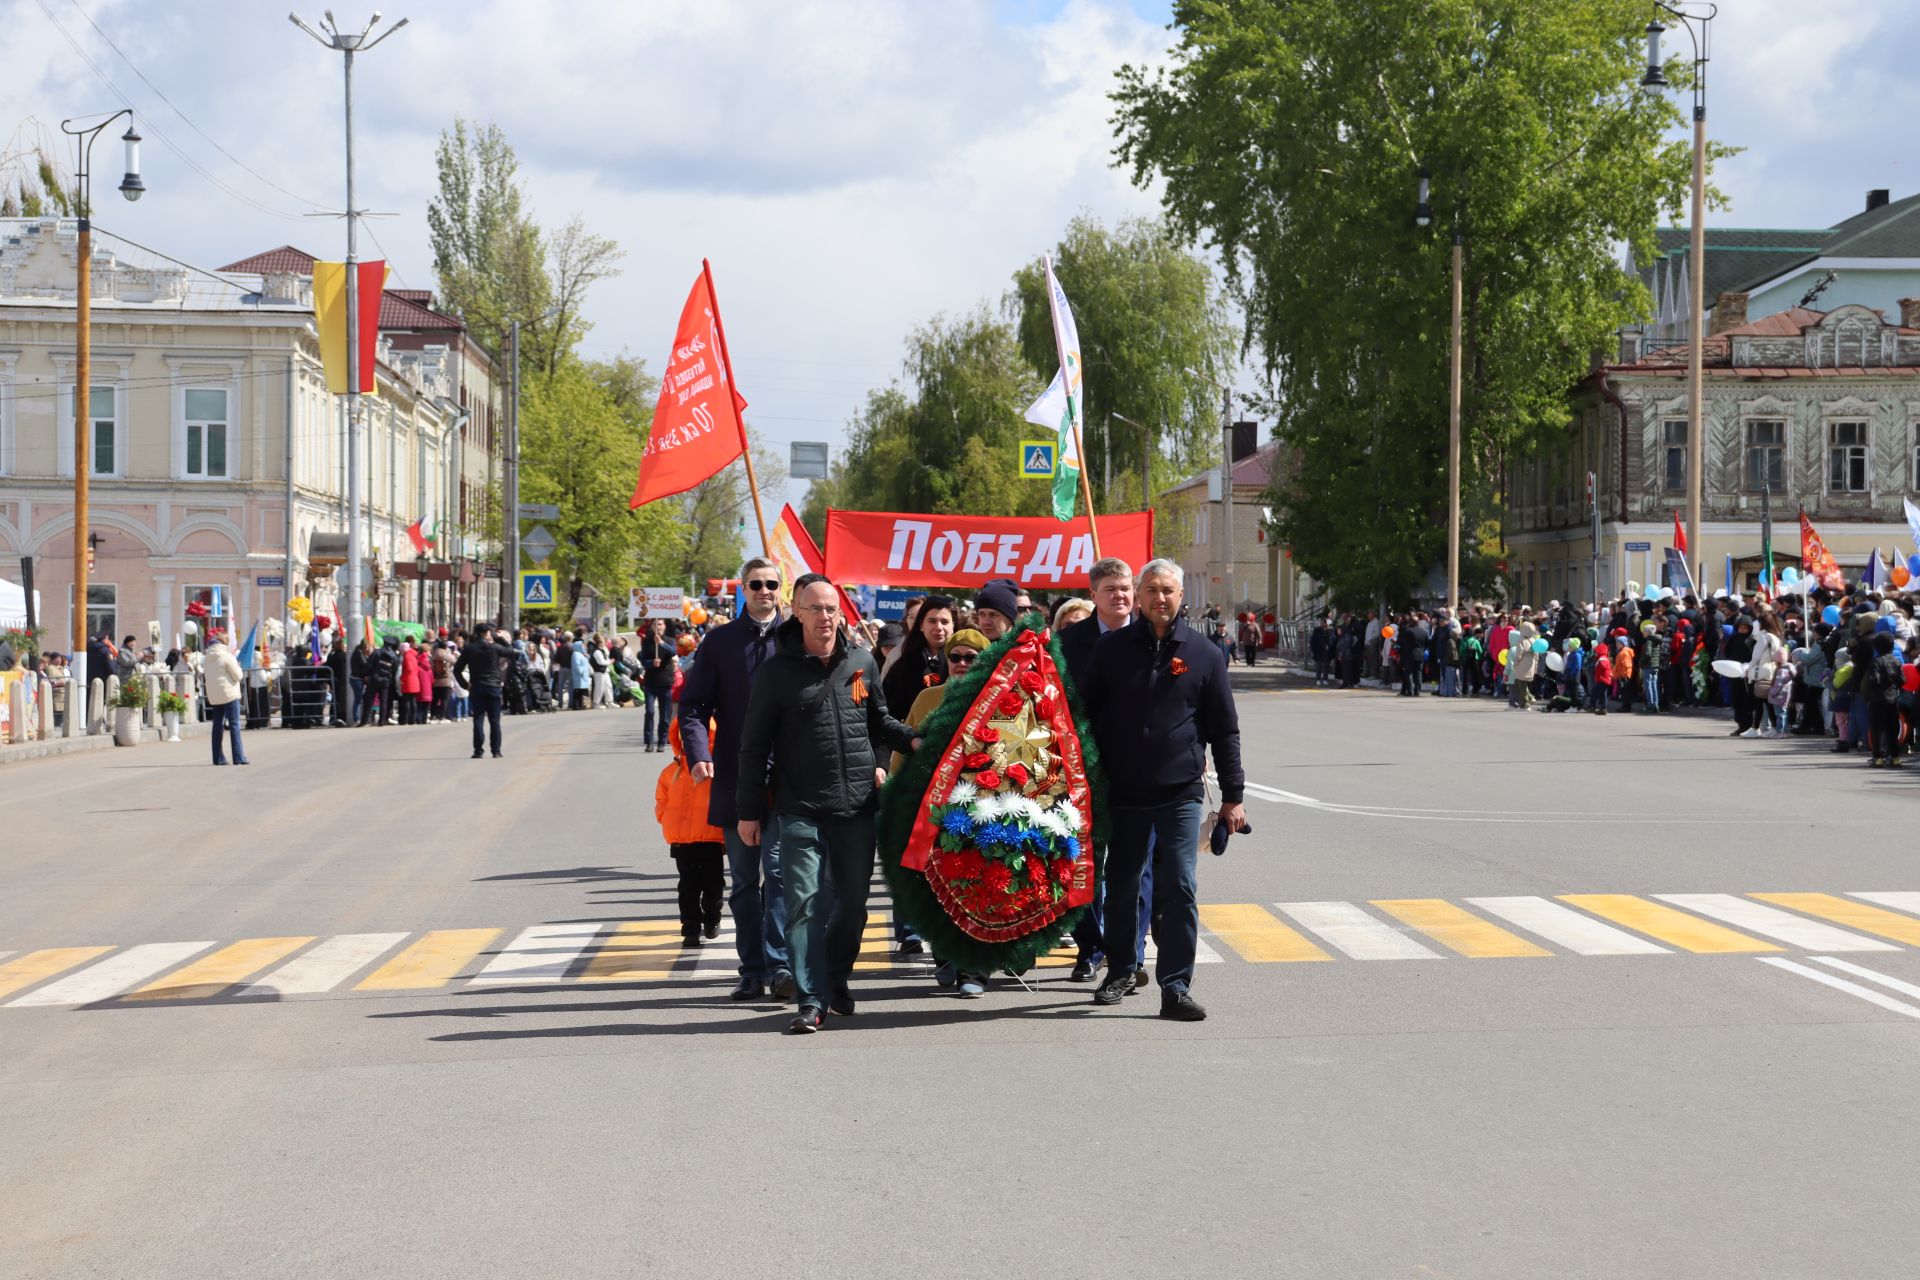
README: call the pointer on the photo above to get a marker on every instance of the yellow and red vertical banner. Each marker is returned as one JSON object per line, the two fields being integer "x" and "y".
{"x": 330, "y": 312}
{"x": 794, "y": 550}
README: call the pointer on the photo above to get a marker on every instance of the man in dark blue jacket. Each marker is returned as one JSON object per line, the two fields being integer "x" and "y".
{"x": 717, "y": 686}
{"x": 1157, "y": 696}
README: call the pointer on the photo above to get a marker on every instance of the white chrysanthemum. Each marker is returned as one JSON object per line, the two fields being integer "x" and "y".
{"x": 1021, "y": 807}
{"x": 1070, "y": 814}
{"x": 989, "y": 806}
{"x": 964, "y": 793}
{"x": 1052, "y": 823}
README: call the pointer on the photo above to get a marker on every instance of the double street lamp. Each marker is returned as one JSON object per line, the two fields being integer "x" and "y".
{"x": 1697, "y": 20}
{"x": 1423, "y": 217}
{"x": 132, "y": 188}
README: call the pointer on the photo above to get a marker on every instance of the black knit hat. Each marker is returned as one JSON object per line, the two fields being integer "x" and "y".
{"x": 999, "y": 596}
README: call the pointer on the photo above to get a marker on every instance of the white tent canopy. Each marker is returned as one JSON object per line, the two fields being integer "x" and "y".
{"x": 13, "y": 604}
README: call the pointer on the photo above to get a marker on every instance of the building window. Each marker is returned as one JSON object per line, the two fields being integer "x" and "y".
{"x": 1673, "y": 455}
{"x": 105, "y": 419}
{"x": 1916, "y": 456}
{"x": 206, "y": 432}
{"x": 1846, "y": 457}
{"x": 1766, "y": 455}
{"x": 103, "y": 611}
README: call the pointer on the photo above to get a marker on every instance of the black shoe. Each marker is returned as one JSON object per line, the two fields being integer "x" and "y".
{"x": 913, "y": 947}
{"x": 808, "y": 1022}
{"x": 1116, "y": 988}
{"x": 841, "y": 1005}
{"x": 748, "y": 989}
{"x": 496, "y": 755}
{"x": 783, "y": 987}
{"x": 1181, "y": 1007}
{"x": 1140, "y": 979}
{"x": 478, "y": 754}
{"x": 711, "y": 929}
{"x": 690, "y": 939}
{"x": 1083, "y": 970}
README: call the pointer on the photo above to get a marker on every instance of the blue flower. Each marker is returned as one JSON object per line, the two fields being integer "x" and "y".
{"x": 998, "y": 834}
{"x": 957, "y": 822}
{"x": 1073, "y": 848}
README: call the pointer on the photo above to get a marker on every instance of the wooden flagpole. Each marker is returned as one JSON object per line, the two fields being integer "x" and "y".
{"x": 1079, "y": 445}
{"x": 746, "y": 446}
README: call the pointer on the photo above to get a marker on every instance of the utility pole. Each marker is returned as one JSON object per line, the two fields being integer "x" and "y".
{"x": 1226, "y": 491}
{"x": 510, "y": 571}
{"x": 347, "y": 45}
{"x": 1453, "y": 444}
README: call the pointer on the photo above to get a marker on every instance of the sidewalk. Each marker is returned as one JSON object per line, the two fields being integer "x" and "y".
{"x": 20, "y": 752}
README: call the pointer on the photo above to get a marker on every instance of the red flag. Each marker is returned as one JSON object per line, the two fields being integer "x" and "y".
{"x": 1816, "y": 560}
{"x": 796, "y": 551}
{"x": 697, "y": 428}
{"x": 417, "y": 534}
{"x": 1679, "y": 535}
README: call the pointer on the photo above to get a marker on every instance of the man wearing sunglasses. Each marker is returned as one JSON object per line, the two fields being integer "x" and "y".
{"x": 717, "y": 687}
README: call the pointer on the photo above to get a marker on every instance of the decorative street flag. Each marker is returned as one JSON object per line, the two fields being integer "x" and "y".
{"x": 794, "y": 550}
{"x": 1913, "y": 521}
{"x": 250, "y": 648}
{"x": 1766, "y": 539}
{"x": 1815, "y": 560}
{"x": 330, "y": 316}
{"x": 1874, "y": 576}
{"x": 1679, "y": 535}
{"x": 1072, "y": 402}
{"x": 420, "y": 535}
{"x": 697, "y": 428}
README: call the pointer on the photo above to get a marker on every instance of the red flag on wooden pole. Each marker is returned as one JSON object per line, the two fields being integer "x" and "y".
{"x": 1679, "y": 535}
{"x": 697, "y": 428}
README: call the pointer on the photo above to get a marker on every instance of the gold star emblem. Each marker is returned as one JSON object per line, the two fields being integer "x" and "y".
{"x": 1024, "y": 739}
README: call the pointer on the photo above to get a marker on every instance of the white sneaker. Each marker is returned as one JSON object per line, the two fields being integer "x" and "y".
{"x": 1751, "y": 733}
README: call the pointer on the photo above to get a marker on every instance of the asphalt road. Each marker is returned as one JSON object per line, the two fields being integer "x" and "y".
{"x": 1481, "y": 1078}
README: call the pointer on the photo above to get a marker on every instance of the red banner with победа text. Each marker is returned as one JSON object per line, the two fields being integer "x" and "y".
{"x": 1040, "y": 553}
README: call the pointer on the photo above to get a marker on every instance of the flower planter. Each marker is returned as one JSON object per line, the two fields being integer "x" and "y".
{"x": 171, "y": 720}
{"x": 126, "y": 726}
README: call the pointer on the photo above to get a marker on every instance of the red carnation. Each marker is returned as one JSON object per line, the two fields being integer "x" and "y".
{"x": 1032, "y": 682}
{"x": 1010, "y": 703}
{"x": 987, "y": 733}
{"x": 987, "y": 779}
{"x": 1018, "y": 774}
{"x": 978, "y": 760}
{"x": 1063, "y": 871}
{"x": 998, "y": 878}
{"x": 966, "y": 864}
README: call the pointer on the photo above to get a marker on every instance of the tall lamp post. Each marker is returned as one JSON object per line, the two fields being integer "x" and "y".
{"x": 349, "y": 44}
{"x": 1697, "y": 19}
{"x": 1423, "y": 217}
{"x": 132, "y": 188}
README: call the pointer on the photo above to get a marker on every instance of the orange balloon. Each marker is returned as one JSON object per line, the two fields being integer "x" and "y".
{"x": 698, "y": 617}
{"x": 1901, "y": 575}
{"x": 1389, "y": 631}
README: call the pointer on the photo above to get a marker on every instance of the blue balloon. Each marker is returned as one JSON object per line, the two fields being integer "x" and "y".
{"x": 1539, "y": 644}
{"x": 1913, "y": 564}
{"x": 1726, "y": 628}
{"x": 1831, "y": 615}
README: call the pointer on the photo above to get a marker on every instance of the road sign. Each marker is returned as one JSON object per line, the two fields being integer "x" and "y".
{"x": 807, "y": 460}
{"x": 537, "y": 588}
{"x": 539, "y": 511}
{"x": 1036, "y": 459}
{"x": 270, "y": 580}
{"x": 538, "y": 544}
{"x": 891, "y": 602}
{"x": 1639, "y": 546}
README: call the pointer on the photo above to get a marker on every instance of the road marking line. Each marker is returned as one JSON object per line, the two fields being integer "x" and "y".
{"x": 1871, "y": 975}
{"x": 654, "y": 944}
{"x": 37, "y": 966}
{"x": 432, "y": 961}
{"x": 1669, "y": 924}
{"x": 212, "y": 975}
{"x": 1840, "y": 984}
{"x": 1459, "y": 929}
{"x": 1202, "y": 953}
{"x": 1902, "y": 901}
{"x": 113, "y": 975}
{"x": 1251, "y": 932}
{"x": 1355, "y": 932}
{"x": 1854, "y": 915}
{"x": 326, "y": 966}
{"x": 1769, "y": 922}
{"x": 1582, "y": 935}
{"x": 540, "y": 953}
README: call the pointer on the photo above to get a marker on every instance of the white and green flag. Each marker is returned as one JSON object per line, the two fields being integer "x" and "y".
{"x": 1062, "y": 406}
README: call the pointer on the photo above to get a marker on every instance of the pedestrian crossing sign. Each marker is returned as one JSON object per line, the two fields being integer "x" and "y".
{"x": 1036, "y": 459}
{"x": 536, "y": 589}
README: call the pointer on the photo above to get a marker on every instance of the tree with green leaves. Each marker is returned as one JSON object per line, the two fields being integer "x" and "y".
{"x": 1148, "y": 311}
{"x": 1288, "y": 134}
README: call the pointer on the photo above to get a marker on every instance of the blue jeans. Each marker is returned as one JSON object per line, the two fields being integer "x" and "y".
{"x": 824, "y": 927}
{"x": 759, "y": 915}
{"x": 1650, "y": 681}
{"x": 227, "y": 715}
{"x": 1166, "y": 839}
{"x": 1088, "y": 934}
{"x": 658, "y": 715}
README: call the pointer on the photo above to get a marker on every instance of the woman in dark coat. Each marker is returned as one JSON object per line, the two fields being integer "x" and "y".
{"x": 920, "y": 664}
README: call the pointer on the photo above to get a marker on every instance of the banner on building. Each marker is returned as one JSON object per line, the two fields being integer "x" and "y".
{"x": 904, "y": 550}
{"x": 330, "y": 318}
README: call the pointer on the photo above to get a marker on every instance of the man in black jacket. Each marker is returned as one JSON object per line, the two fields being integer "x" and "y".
{"x": 1157, "y": 697}
{"x": 482, "y": 667}
{"x": 816, "y": 710}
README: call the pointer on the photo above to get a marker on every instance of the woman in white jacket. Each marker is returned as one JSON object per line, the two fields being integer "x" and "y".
{"x": 1769, "y": 651}
{"x": 224, "y": 683}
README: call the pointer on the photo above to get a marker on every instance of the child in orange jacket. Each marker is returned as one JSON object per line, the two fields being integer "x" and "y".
{"x": 698, "y": 848}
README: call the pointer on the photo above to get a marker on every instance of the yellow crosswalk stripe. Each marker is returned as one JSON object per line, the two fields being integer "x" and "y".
{"x": 1668, "y": 924}
{"x": 1061, "y": 957}
{"x": 1458, "y": 928}
{"x": 1256, "y": 934}
{"x": 1854, "y": 915}
{"x": 16, "y": 975}
{"x": 433, "y": 961}
{"x": 638, "y": 951}
{"x": 210, "y": 975}
{"x": 876, "y": 946}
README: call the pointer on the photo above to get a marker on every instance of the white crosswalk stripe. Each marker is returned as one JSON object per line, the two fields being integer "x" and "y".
{"x": 325, "y": 965}
{"x": 1563, "y": 926}
{"x": 107, "y": 978}
{"x": 1898, "y": 901}
{"x": 1771, "y": 922}
{"x": 542, "y": 953}
{"x": 1353, "y": 931}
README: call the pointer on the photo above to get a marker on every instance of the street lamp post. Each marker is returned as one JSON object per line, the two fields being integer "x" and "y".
{"x": 348, "y": 44}
{"x": 1697, "y": 20}
{"x": 1423, "y": 217}
{"x": 132, "y": 188}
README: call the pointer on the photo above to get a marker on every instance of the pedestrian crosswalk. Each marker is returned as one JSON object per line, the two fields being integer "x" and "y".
{"x": 598, "y": 953}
